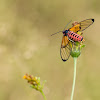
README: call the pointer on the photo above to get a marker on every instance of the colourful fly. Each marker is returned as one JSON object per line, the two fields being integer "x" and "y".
{"x": 71, "y": 35}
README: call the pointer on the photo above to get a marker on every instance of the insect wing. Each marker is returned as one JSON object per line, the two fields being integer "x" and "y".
{"x": 81, "y": 26}
{"x": 75, "y": 28}
{"x": 65, "y": 49}
{"x": 85, "y": 24}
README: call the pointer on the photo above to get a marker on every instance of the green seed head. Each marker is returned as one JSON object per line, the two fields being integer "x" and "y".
{"x": 76, "y": 49}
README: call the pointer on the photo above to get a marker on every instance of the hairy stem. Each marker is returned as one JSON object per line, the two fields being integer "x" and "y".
{"x": 74, "y": 78}
{"x": 43, "y": 95}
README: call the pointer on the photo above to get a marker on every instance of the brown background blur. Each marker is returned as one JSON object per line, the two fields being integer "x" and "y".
{"x": 27, "y": 47}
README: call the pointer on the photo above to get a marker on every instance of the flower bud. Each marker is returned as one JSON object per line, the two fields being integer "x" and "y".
{"x": 76, "y": 51}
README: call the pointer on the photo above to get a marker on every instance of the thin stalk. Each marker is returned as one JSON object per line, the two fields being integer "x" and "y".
{"x": 74, "y": 78}
{"x": 43, "y": 95}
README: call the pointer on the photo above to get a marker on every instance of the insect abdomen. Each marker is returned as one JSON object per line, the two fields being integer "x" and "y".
{"x": 75, "y": 37}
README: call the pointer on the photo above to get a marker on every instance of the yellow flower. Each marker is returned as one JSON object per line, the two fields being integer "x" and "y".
{"x": 34, "y": 81}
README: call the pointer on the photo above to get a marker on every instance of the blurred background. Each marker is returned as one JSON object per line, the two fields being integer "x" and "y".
{"x": 27, "y": 47}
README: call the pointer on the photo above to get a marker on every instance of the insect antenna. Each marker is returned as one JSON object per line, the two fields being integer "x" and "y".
{"x": 56, "y": 33}
{"x": 61, "y": 31}
{"x": 67, "y": 25}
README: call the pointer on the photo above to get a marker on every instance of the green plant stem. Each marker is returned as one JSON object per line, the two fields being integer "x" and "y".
{"x": 43, "y": 95}
{"x": 74, "y": 78}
